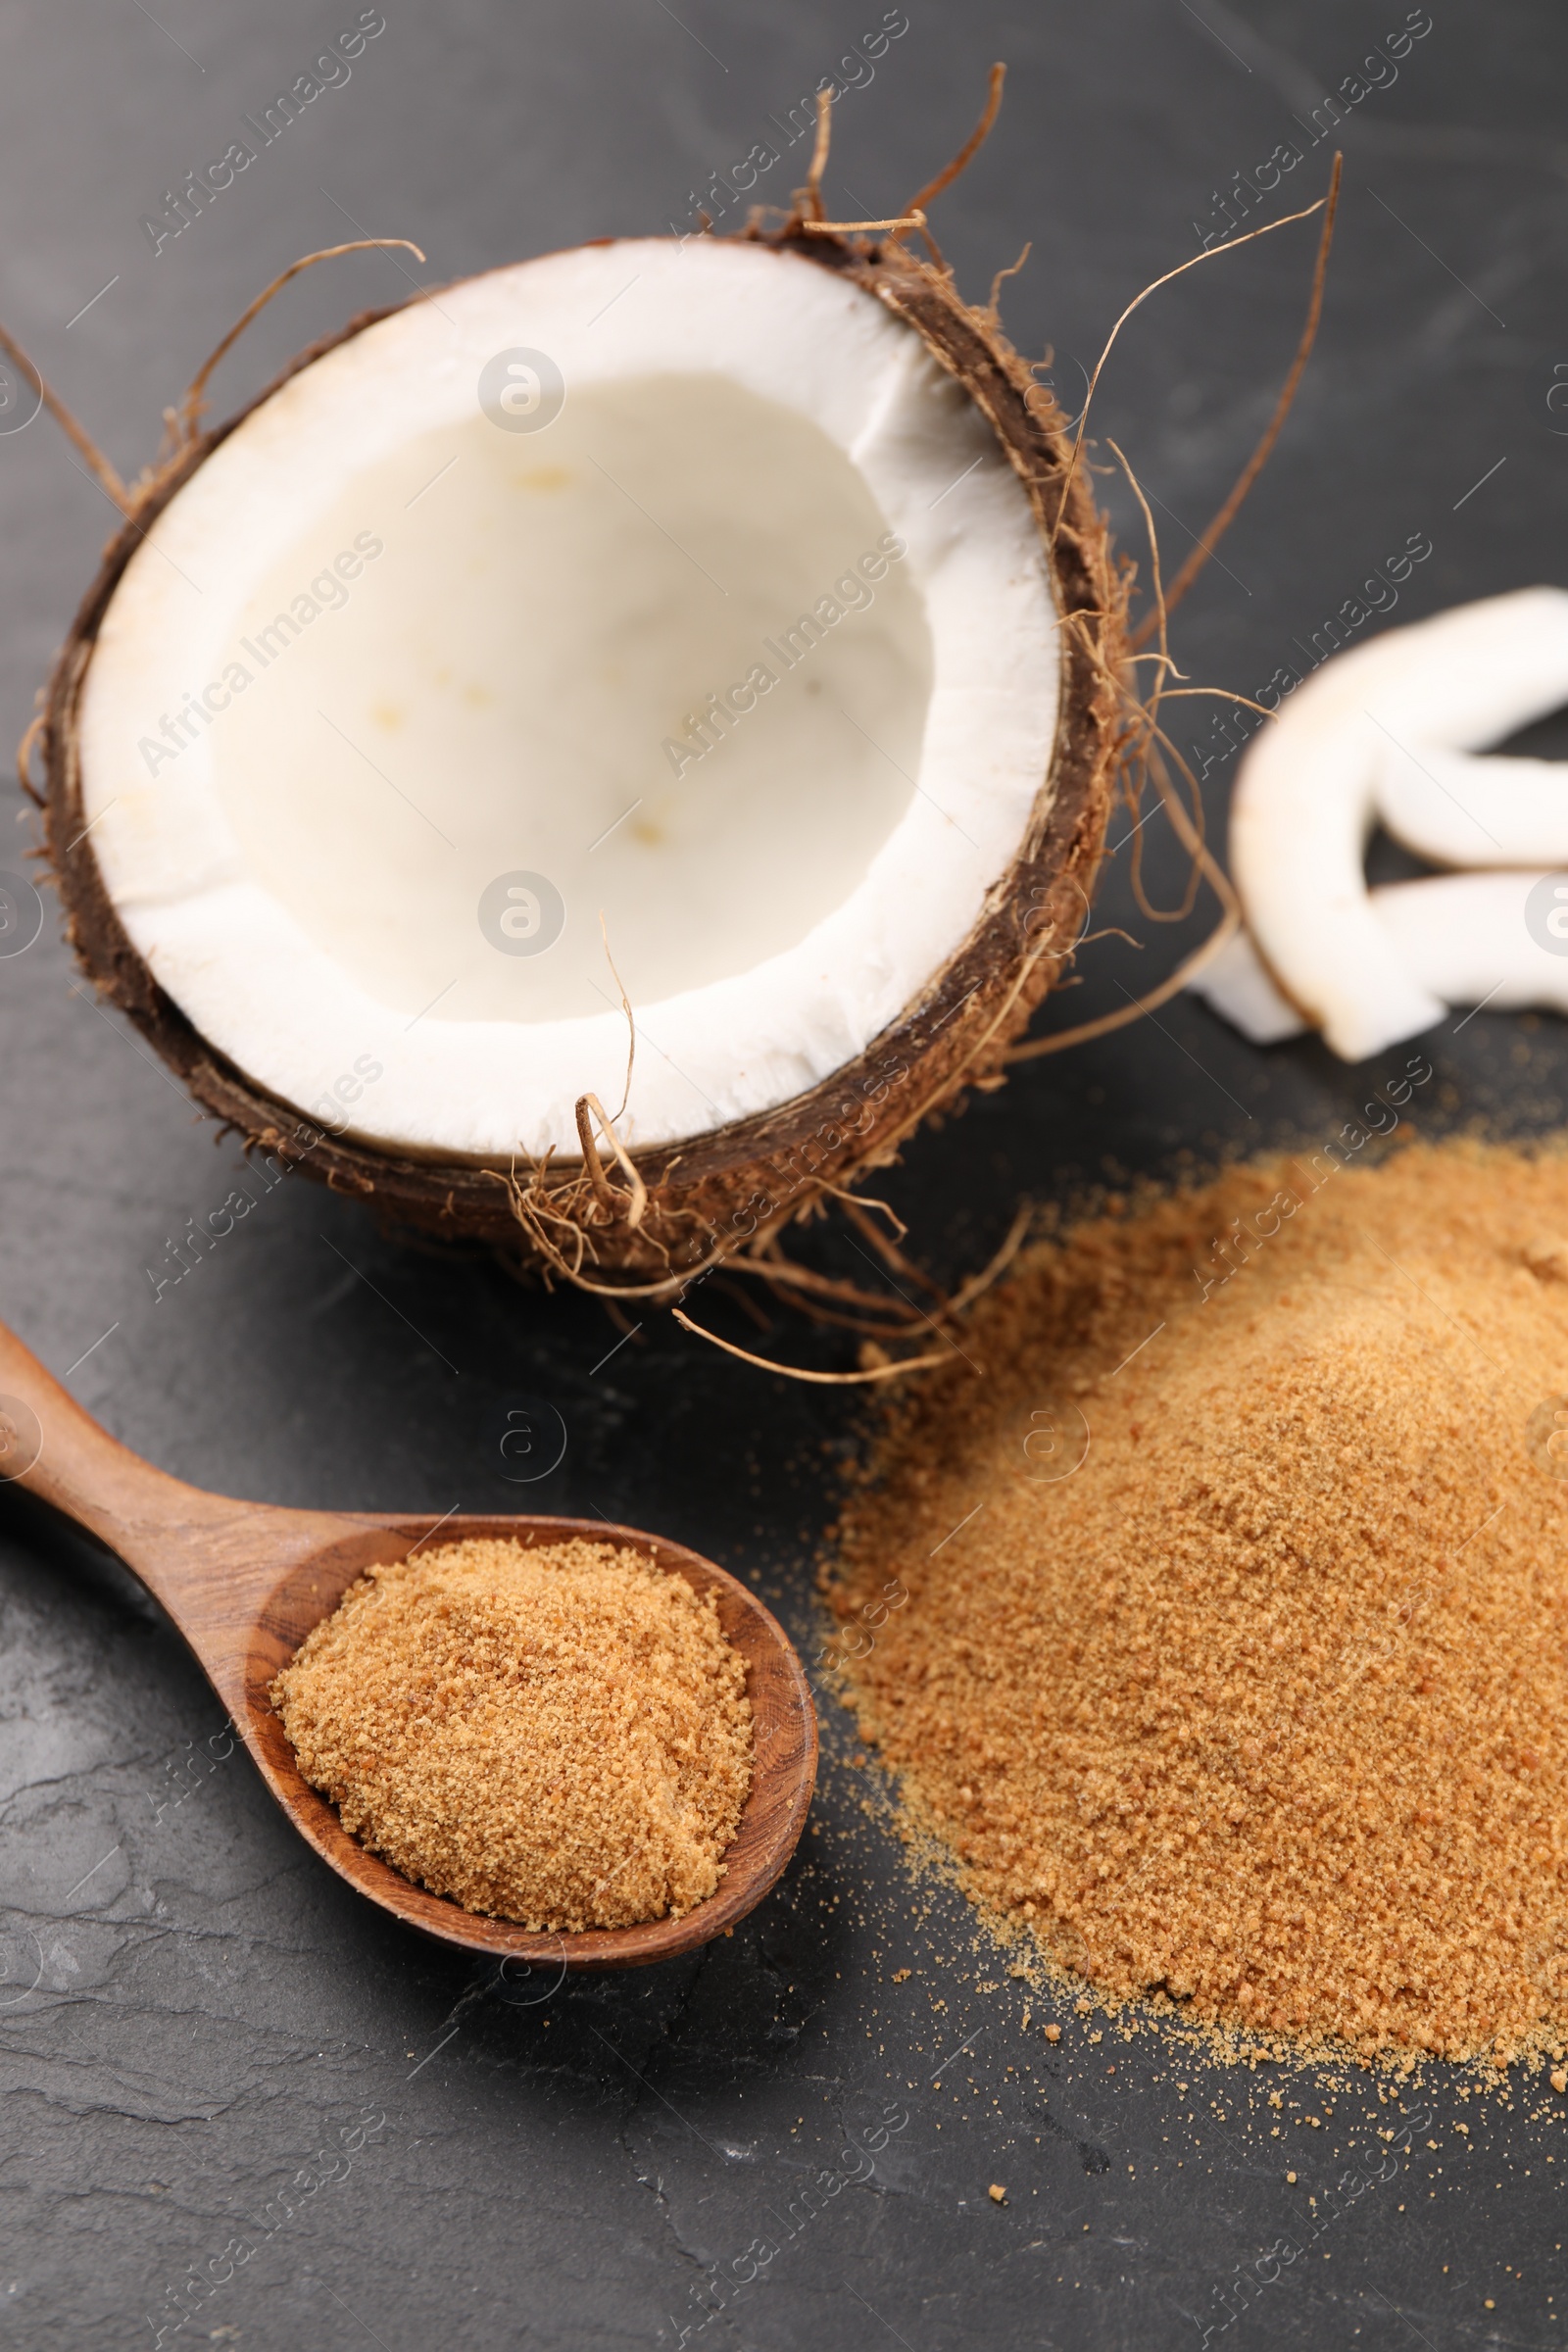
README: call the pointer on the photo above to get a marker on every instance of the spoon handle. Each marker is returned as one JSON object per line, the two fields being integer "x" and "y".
{"x": 58, "y": 1452}
{"x": 207, "y": 1558}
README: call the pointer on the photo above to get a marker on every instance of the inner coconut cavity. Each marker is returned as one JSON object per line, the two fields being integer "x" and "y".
{"x": 665, "y": 599}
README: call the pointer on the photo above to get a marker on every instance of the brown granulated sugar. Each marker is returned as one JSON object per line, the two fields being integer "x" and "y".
{"x": 559, "y": 1735}
{"x": 1259, "y": 1707}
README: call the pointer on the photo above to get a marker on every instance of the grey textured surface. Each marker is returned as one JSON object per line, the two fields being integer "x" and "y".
{"x": 775, "y": 2143}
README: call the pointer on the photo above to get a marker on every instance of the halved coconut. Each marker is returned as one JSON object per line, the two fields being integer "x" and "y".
{"x": 698, "y": 626}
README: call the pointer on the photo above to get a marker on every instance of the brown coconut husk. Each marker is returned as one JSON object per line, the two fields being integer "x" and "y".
{"x": 642, "y": 1224}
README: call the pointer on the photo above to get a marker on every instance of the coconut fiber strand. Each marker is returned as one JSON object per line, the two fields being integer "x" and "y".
{"x": 559, "y": 1736}
{"x": 1263, "y": 1709}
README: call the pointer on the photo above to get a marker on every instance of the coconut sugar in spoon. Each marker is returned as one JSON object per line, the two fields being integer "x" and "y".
{"x": 245, "y": 1582}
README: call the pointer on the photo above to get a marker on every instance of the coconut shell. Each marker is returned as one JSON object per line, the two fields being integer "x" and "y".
{"x": 697, "y": 1200}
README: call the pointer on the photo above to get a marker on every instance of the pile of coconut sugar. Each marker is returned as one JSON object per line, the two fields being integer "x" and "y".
{"x": 1243, "y": 1684}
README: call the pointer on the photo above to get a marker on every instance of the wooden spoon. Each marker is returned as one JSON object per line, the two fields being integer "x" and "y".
{"x": 245, "y": 1582}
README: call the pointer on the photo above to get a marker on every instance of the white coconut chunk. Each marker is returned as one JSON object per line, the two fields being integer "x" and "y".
{"x": 1476, "y": 938}
{"x": 1468, "y": 938}
{"x": 746, "y": 647}
{"x": 1240, "y": 986}
{"x": 1461, "y": 810}
{"x": 1307, "y": 796}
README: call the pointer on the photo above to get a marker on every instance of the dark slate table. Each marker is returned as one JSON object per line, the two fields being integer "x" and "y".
{"x": 237, "y": 2098}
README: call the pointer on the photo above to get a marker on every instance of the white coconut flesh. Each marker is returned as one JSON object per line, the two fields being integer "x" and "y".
{"x": 746, "y": 647}
{"x": 1392, "y": 730}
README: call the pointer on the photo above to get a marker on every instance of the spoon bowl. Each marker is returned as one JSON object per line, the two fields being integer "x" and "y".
{"x": 245, "y": 1582}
